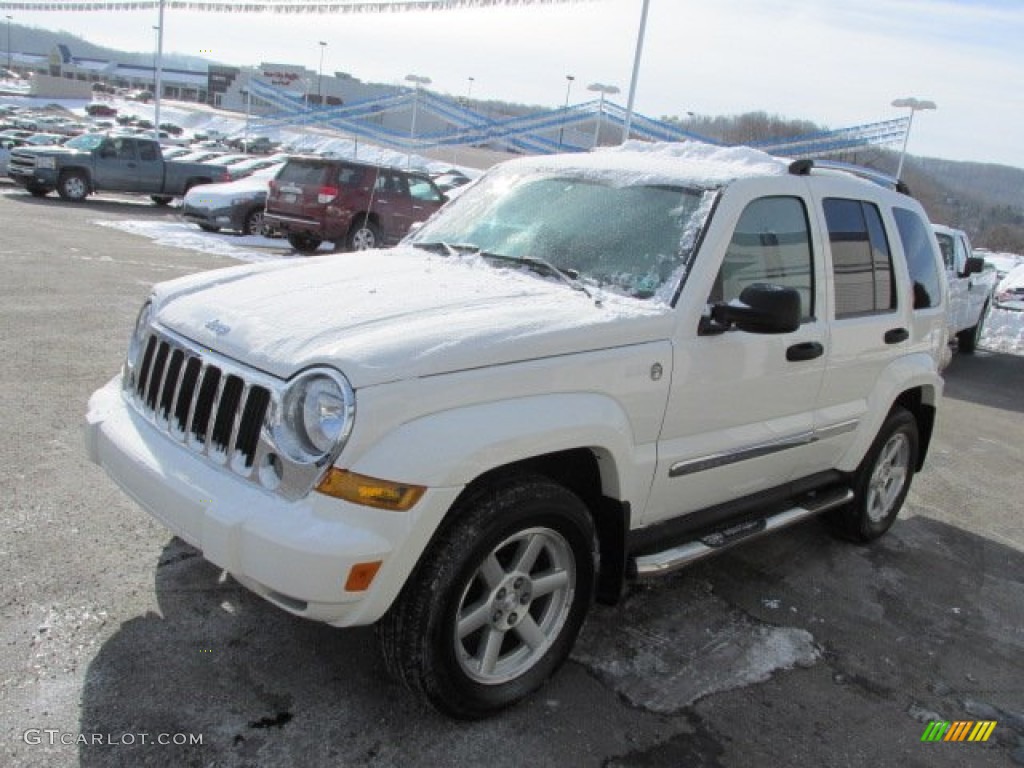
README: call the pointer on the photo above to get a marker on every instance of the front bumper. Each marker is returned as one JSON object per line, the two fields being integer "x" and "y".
{"x": 225, "y": 217}
{"x": 40, "y": 177}
{"x": 297, "y": 555}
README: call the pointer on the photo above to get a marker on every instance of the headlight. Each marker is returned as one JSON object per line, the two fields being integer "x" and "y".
{"x": 317, "y": 412}
{"x": 139, "y": 333}
{"x": 46, "y": 162}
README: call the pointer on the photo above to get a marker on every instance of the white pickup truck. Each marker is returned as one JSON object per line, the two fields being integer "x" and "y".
{"x": 971, "y": 287}
{"x": 586, "y": 369}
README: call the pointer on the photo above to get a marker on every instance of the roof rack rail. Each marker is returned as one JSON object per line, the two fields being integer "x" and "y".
{"x": 804, "y": 166}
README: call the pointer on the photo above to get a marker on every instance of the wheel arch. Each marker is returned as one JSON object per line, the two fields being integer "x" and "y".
{"x": 80, "y": 170}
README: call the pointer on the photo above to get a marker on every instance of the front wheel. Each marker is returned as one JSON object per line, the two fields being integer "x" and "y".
{"x": 967, "y": 339}
{"x": 37, "y": 191}
{"x": 497, "y": 601}
{"x": 73, "y": 186}
{"x": 209, "y": 228}
{"x": 882, "y": 481}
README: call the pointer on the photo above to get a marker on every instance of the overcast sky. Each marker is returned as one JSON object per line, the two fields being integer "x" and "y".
{"x": 835, "y": 62}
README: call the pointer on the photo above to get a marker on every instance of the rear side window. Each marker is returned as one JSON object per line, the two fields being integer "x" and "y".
{"x": 916, "y": 237}
{"x": 423, "y": 189}
{"x": 771, "y": 244}
{"x": 147, "y": 153}
{"x": 861, "y": 260}
{"x": 303, "y": 173}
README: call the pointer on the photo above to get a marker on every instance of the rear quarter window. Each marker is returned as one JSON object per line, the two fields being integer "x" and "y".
{"x": 918, "y": 246}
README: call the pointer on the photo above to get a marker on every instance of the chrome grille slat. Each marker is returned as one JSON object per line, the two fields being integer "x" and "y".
{"x": 214, "y": 407}
{"x": 242, "y": 398}
{"x": 211, "y": 420}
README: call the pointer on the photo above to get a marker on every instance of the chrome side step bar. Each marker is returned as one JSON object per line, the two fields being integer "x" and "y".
{"x": 661, "y": 563}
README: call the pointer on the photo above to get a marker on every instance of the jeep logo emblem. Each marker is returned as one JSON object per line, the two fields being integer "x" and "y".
{"x": 217, "y": 327}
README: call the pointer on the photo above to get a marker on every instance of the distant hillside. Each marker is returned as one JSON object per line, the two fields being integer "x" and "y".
{"x": 33, "y": 40}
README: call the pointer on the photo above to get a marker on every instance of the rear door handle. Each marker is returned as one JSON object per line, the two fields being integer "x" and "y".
{"x": 896, "y": 336}
{"x": 807, "y": 350}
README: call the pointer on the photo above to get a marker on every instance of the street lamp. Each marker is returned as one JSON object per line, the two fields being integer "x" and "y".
{"x": 469, "y": 90}
{"x": 9, "y": 18}
{"x": 603, "y": 90}
{"x": 914, "y": 105}
{"x": 320, "y": 75}
{"x": 568, "y": 88}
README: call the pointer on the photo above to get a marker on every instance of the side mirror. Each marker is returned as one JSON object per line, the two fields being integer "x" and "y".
{"x": 974, "y": 265}
{"x": 762, "y": 308}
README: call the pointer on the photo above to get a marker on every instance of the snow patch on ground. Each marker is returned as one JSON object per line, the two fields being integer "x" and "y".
{"x": 252, "y": 248}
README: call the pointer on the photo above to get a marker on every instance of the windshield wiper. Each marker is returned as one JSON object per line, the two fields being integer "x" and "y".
{"x": 568, "y": 276}
{"x": 447, "y": 249}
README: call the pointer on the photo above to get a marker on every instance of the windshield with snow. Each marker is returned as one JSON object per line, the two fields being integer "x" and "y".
{"x": 87, "y": 142}
{"x": 631, "y": 239}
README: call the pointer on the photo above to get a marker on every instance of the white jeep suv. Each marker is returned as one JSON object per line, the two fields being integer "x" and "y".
{"x": 587, "y": 369}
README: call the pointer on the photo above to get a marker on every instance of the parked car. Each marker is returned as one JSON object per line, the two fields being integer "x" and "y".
{"x": 354, "y": 205}
{"x": 100, "y": 111}
{"x": 235, "y": 205}
{"x": 450, "y": 180}
{"x": 971, "y": 287}
{"x": 1001, "y": 262}
{"x": 252, "y": 164}
{"x": 588, "y": 369}
{"x": 1010, "y": 293}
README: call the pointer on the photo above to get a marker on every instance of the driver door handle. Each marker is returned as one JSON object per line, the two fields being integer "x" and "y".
{"x": 807, "y": 350}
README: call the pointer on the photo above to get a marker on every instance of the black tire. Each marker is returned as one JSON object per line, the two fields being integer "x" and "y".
{"x": 161, "y": 199}
{"x": 37, "y": 191}
{"x": 363, "y": 236}
{"x": 882, "y": 480}
{"x": 209, "y": 228}
{"x": 304, "y": 243}
{"x": 511, "y": 640}
{"x": 967, "y": 339}
{"x": 253, "y": 223}
{"x": 73, "y": 186}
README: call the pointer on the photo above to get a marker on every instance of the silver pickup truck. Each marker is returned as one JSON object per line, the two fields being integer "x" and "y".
{"x": 111, "y": 163}
{"x": 971, "y": 287}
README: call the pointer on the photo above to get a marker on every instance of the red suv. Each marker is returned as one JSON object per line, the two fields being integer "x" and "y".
{"x": 354, "y": 205}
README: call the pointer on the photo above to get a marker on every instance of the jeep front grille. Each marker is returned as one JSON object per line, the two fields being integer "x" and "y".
{"x": 211, "y": 408}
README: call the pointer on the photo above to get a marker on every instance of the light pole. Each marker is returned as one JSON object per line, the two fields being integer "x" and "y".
{"x": 417, "y": 81}
{"x": 914, "y": 105}
{"x": 635, "y": 77}
{"x": 158, "y": 76}
{"x": 603, "y": 90}
{"x": 157, "y": 45}
{"x": 568, "y": 88}
{"x": 320, "y": 76}
{"x": 9, "y": 18}
{"x": 469, "y": 90}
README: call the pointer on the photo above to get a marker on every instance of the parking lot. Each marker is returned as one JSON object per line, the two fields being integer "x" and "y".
{"x": 793, "y": 650}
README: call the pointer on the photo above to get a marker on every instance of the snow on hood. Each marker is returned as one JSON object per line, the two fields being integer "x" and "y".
{"x": 382, "y": 316}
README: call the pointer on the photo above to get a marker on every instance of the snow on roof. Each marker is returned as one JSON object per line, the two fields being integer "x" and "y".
{"x": 694, "y": 162}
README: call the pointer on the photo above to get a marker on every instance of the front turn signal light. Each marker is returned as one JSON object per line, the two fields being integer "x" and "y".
{"x": 369, "y": 491}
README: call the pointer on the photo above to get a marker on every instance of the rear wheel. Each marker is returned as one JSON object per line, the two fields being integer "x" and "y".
{"x": 161, "y": 199}
{"x": 209, "y": 228}
{"x": 363, "y": 236}
{"x": 73, "y": 186}
{"x": 304, "y": 243}
{"x": 882, "y": 480}
{"x": 253, "y": 224}
{"x": 497, "y": 601}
